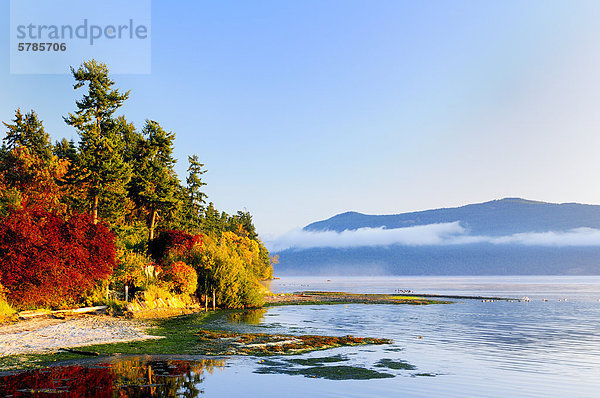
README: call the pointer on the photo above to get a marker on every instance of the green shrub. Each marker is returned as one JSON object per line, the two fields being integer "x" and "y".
{"x": 98, "y": 294}
{"x": 224, "y": 271}
{"x": 115, "y": 306}
{"x": 134, "y": 269}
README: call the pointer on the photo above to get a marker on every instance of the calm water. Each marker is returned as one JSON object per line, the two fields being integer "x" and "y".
{"x": 470, "y": 348}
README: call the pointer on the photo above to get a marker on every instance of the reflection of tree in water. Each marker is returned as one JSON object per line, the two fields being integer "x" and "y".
{"x": 252, "y": 317}
{"x": 137, "y": 378}
{"x": 130, "y": 377}
{"x": 76, "y": 380}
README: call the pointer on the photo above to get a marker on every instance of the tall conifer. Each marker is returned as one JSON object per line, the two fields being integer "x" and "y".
{"x": 101, "y": 166}
{"x": 154, "y": 185}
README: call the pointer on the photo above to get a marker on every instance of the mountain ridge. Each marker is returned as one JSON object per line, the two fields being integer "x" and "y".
{"x": 496, "y": 217}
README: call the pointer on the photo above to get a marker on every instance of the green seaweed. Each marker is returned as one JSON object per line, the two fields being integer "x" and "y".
{"x": 342, "y": 372}
{"x": 218, "y": 342}
{"x": 271, "y": 362}
{"x": 339, "y": 372}
{"x": 319, "y": 360}
{"x": 394, "y": 349}
{"x": 394, "y": 364}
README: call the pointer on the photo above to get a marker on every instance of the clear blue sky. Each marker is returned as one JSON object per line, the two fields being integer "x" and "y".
{"x": 304, "y": 109}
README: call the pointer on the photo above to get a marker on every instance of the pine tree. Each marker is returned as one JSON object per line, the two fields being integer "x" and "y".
{"x": 100, "y": 164}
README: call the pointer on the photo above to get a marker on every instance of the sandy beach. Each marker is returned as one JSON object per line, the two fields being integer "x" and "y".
{"x": 38, "y": 336}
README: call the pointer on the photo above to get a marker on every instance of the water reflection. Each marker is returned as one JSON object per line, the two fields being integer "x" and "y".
{"x": 130, "y": 376}
{"x": 251, "y": 317}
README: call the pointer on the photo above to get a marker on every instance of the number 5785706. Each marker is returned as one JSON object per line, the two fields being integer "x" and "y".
{"x": 42, "y": 47}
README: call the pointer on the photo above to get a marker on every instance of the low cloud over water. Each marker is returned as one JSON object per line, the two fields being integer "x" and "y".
{"x": 432, "y": 234}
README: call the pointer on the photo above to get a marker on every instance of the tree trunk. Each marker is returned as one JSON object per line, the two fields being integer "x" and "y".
{"x": 95, "y": 209}
{"x": 152, "y": 223}
{"x": 214, "y": 299}
{"x": 205, "y": 296}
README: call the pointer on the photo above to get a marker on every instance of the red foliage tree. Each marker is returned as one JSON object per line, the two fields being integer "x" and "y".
{"x": 46, "y": 259}
{"x": 172, "y": 240}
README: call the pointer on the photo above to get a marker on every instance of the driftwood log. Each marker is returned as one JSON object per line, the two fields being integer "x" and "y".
{"x": 61, "y": 313}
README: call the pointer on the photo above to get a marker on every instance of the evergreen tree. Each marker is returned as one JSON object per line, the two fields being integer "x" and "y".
{"x": 154, "y": 185}
{"x": 213, "y": 223}
{"x": 195, "y": 183}
{"x": 100, "y": 164}
{"x": 112, "y": 168}
{"x": 28, "y": 131}
{"x": 241, "y": 224}
{"x": 64, "y": 149}
{"x": 195, "y": 202}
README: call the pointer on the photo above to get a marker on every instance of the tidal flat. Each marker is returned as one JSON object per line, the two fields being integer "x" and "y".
{"x": 204, "y": 333}
{"x": 179, "y": 346}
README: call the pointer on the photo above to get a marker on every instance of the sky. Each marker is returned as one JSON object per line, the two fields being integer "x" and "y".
{"x": 301, "y": 110}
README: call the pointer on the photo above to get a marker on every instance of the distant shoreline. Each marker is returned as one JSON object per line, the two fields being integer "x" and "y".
{"x": 325, "y": 297}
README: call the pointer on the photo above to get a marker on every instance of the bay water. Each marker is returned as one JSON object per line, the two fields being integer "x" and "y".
{"x": 548, "y": 346}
